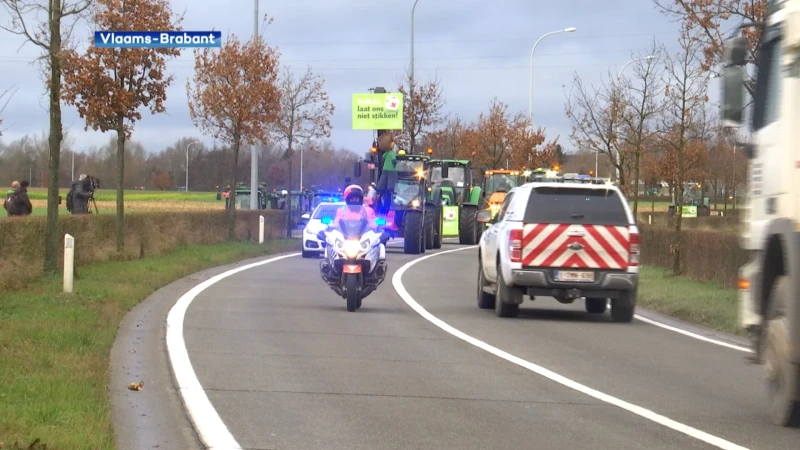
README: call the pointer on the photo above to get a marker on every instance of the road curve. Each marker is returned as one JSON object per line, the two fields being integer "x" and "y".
{"x": 287, "y": 367}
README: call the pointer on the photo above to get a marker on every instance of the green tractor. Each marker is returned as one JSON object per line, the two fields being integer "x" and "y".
{"x": 406, "y": 216}
{"x": 456, "y": 199}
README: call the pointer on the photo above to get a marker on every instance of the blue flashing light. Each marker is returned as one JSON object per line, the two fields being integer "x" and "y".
{"x": 380, "y": 221}
{"x": 326, "y": 220}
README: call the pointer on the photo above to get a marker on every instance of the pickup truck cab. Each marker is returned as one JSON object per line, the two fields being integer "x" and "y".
{"x": 561, "y": 240}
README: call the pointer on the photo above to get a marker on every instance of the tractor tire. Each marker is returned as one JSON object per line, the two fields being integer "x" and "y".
{"x": 467, "y": 225}
{"x": 413, "y": 236}
{"x": 429, "y": 230}
{"x": 438, "y": 227}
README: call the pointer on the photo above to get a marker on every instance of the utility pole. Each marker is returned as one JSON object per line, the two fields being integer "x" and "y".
{"x": 254, "y": 150}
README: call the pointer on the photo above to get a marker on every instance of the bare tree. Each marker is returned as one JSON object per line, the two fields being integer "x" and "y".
{"x": 5, "y": 97}
{"x": 642, "y": 96}
{"x": 682, "y": 122}
{"x": 48, "y": 24}
{"x": 305, "y": 113}
{"x": 596, "y": 117}
{"x": 422, "y": 108}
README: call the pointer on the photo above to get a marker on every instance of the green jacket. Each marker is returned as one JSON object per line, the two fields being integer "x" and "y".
{"x": 390, "y": 160}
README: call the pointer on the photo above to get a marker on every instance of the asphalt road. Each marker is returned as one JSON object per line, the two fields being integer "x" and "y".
{"x": 287, "y": 367}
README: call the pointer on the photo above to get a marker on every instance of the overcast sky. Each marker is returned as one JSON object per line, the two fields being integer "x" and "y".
{"x": 480, "y": 49}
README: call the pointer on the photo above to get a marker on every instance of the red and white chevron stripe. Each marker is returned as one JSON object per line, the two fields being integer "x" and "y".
{"x": 548, "y": 245}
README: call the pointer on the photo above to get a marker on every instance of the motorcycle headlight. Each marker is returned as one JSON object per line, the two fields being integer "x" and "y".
{"x": 365, "y": 244}
{"x": 352, "y": 248}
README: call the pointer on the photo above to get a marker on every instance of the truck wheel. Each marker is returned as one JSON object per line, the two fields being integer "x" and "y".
{"x": 412, "y": 233}
{"x": 467, "y": 224}
{"x": 437, "y": 228}
{"x": 429, "y": 218}
{"x": 506, "y": 303}
{"x": 596, "y": 305}
{"x": 485, "y": 301}
{"x": 623, "y": 308}
{"x": 783, "y": 377}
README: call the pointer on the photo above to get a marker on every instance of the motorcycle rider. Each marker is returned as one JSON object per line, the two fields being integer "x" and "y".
{"x": 355, "y": 209}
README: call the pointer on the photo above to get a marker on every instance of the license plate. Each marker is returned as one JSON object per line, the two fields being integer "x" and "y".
{"x": 580, "y": 277}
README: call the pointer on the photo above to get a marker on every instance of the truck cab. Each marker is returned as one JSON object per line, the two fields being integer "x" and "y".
{"x": 769, "y": 284}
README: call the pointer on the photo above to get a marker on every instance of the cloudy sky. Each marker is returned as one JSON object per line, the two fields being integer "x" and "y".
{"x": 479, "y": 49}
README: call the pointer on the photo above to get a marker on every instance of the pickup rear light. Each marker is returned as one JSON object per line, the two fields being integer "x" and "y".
{"x": 634, "y": 255}
{"x": 515, "y": 245}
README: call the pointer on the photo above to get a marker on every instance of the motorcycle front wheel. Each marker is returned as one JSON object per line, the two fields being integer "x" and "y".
{"x": 351, "y": 283}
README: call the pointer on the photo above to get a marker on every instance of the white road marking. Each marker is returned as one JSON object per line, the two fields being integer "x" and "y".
{"x": 207, "y": 423}
{"x": 638, "y": 410}
{"x": 694, "y": 335}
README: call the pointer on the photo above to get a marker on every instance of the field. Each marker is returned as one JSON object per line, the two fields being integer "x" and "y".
{"x": 135, "y": 201}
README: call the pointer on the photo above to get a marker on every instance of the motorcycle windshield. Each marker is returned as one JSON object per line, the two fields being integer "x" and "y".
{"x": 353, "y": 229}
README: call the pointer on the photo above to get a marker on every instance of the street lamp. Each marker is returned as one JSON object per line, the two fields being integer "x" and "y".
{"x": 530, "y": 106}
{"x": 614, "y": 107}
{"x": 413, "y": 9}
{"x": 187, "y": 163}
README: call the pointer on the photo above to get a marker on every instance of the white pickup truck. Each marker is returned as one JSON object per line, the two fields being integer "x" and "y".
{"x": 561, "y": 240}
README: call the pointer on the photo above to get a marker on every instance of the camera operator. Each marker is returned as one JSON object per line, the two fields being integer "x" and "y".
{"x": 82, "y": 191}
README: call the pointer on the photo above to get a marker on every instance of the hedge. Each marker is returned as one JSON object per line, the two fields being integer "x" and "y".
{"x": 705, "y": 255}
{"x": 146, "y": 233}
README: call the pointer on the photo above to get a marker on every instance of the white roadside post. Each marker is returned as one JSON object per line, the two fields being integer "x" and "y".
{"x": 260, "y": 229}
{"x": 69, "y": 261}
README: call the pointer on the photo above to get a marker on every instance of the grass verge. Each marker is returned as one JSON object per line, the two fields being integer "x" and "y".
{"x": 705, "y": 304}
{"x": 54, "y": 348}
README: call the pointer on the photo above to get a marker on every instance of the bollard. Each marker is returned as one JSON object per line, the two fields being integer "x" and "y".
{"x": 69, "y": 261}
{"x": 260, "y": 229}
{"x": 650, "y": 219}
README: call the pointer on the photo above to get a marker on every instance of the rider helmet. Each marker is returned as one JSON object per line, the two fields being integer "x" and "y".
{"x": 354, "y": 195}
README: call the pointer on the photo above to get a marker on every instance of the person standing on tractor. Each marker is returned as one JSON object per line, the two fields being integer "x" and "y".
{"x": 388, "y": 178}
{"x": 354, "y": 208}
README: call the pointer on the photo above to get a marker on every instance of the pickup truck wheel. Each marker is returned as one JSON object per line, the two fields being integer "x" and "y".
{"x": 485, "y": 301}
{"x": 596, "y": 305}
{"x": 506, "y": 303}
{"x": 783, "y": 377}
{"x": 623, "y": 308}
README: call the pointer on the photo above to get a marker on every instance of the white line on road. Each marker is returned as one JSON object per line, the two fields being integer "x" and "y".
{"x": 693, "y": 335}
{"x": 397, "y": 281}
{"x": 207, "y": 423}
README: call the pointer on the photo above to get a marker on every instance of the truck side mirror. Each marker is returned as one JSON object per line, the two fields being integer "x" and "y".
{"x": 733, "y": 94}
{"x": 357, "y": 169}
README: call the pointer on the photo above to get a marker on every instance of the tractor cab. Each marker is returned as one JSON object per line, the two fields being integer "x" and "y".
{"x": 496, "y": 184}
{"x": 453, "y": 178}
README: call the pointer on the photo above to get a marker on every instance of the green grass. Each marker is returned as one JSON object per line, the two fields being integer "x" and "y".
{"x": 705, "y": 304}
{"x": 54, "y": 348}
{"x": 136, "y": 196}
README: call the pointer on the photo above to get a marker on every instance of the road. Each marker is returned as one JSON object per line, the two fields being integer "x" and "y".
{"x": 287, "y": 367}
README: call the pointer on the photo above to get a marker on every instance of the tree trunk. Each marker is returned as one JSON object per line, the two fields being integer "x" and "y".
{"x": 637, "y": 157}
{"x": 120, "y": 185}
{"x": 237, "y": 142}
{"x": 56, "y": 136}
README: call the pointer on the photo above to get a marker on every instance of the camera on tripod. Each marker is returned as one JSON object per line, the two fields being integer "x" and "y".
{"x": 91, "y": 184}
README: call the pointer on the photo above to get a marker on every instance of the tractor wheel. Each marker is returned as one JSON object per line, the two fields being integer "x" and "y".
{"x": 438, "y": 227}
{"x": 413, "y": 237}
{"x": 429, "y": 231}
{"x": 467, "y": 225}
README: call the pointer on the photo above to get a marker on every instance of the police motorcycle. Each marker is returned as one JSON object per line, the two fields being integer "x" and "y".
{"x": 355, "y": 259}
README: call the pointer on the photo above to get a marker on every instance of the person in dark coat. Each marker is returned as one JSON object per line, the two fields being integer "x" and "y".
{"x": 81, "y": 192}
{"x": 21, "y": 205}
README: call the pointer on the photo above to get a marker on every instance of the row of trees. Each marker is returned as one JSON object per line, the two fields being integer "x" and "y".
{"x": 237, "y": 95}
{"x": 657, "y": 125}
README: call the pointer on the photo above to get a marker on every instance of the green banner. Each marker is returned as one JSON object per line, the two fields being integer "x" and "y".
{"x": 450, "y": 221}
{"x": 378, "y": 111}
{"x": 689, "y": 211}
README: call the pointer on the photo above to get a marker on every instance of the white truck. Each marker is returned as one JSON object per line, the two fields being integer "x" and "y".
{"x": 769, "y": 284}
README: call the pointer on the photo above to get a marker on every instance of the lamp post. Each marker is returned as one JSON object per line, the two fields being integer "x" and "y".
{"x": 614, "y": 107}
{"x": 411, "y": 81}
{"x": 530, "y": 106}
{"x": 254, "y": 152}
{"x": 187, "y": 163}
